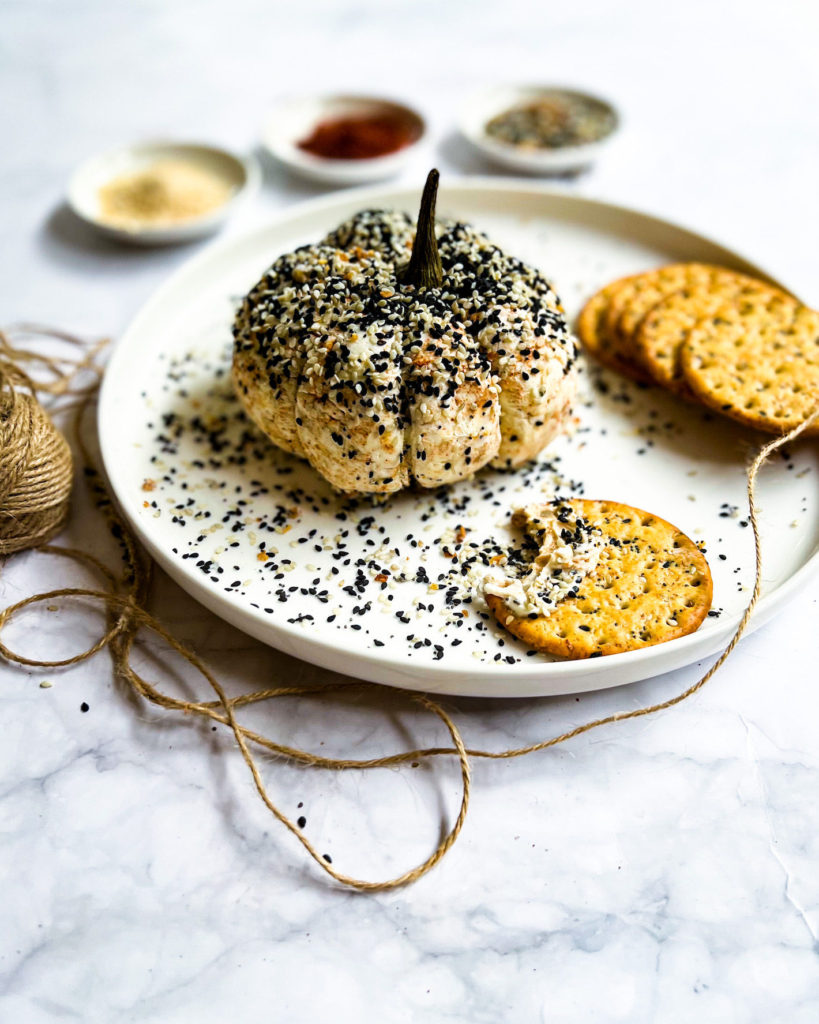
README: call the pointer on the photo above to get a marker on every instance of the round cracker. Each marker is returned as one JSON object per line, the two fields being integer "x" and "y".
{"x": 659, "y": 336}
{"x": 756, "y": 362}
{"x": 651, "y": 584}
{"x": 591, "y": 329}
{"x": 631, "y": 303}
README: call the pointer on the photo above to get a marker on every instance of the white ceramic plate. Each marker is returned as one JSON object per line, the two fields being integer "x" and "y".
{"x": 294, "y": 118}
{"x": 205, "y": 492}
{"x": 483, "y": 106}
{"x": 241, "y": 174}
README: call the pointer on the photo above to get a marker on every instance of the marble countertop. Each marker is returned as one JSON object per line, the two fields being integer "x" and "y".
{"x": 664, "y": 870}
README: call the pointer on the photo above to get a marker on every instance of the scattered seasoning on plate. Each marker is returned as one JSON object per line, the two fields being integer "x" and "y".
{"x": 163, "y": 193}
{"x": 360, "y": 138}
{"x": 554, "y": 120}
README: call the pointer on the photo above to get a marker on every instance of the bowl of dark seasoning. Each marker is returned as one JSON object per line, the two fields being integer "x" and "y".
{"x": 539, "y": 129}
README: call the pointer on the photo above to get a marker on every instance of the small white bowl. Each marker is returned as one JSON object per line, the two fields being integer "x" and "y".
{"x": 83, "y": 189}
{"x": 292, "y": 120}
{"x": 481, "y": 108}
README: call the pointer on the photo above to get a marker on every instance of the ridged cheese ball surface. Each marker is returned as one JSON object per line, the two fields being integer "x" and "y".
{"x": 379, "y": 384}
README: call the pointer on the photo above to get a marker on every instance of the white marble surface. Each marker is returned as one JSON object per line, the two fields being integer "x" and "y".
{"x": 664, "y": 870}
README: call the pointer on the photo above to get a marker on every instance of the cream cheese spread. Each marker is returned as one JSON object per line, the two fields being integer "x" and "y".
{"x": 568, "y": 550}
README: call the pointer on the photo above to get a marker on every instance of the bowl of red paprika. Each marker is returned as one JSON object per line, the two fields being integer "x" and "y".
{"x": 343, "y": 140}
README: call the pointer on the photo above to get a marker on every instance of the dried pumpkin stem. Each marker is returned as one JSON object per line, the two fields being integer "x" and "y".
{"x": 424, "y": 269}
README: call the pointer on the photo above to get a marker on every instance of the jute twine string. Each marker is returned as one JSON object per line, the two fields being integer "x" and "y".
{"x": 124, "y": 603}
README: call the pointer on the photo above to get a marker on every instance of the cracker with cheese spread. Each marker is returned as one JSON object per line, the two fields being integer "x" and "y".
{"x": 639, "y": 581}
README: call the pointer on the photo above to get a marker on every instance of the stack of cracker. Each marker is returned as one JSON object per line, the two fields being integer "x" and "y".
{"x": 741, "y": 347}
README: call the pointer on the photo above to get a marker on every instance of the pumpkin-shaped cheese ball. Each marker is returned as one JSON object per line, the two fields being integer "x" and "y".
{"x": 386, "y": 357}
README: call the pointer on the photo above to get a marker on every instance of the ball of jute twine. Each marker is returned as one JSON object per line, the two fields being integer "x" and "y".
{"x": 35, "y": 467}
{"x": 124, "y": 599}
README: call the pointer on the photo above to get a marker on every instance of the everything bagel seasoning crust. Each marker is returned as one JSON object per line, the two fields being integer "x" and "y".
{"x": 380, "y": 384}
